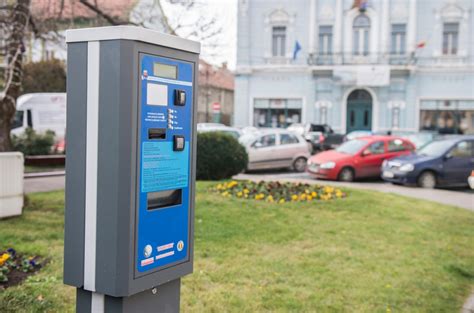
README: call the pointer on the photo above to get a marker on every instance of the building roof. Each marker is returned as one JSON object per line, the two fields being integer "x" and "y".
{"x": 215, "y": 76}
{"x": 54, "y": 9}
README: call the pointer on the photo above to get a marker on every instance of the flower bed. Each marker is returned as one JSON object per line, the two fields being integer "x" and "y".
{"x": 278, "y": 192}
{"x": 14, "y": 268}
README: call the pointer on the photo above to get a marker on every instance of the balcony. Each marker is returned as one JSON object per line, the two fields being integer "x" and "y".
{"x": 316, "y": 59}
{"x": 351, "y": 59}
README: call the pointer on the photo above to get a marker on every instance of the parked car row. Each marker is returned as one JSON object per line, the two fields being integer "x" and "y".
{"x": 425, "y": 159}
{"x": 442, "y": 162}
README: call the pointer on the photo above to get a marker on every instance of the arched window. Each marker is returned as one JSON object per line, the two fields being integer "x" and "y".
{"x": 360, "y": 35}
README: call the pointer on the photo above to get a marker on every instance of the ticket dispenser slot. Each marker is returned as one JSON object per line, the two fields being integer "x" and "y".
{"x": 156, "y": 133}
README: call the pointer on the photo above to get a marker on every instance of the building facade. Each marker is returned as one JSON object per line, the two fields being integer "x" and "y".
{"x": 216, "y": 94}
{"x": 374, "y": 65}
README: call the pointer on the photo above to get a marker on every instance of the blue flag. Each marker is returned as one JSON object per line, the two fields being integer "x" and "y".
{"x": 296, "y": 49}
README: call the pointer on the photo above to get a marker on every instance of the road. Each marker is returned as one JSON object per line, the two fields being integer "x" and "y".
{"x": 463, "y": 198}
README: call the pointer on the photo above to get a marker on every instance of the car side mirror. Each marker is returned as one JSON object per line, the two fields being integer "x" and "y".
{"x": 366, "y": 152}
{"x": 257, "y": 145}
{"x": 448, "y": 156}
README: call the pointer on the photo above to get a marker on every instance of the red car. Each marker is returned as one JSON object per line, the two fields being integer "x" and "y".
{"x": 358, "y": 158}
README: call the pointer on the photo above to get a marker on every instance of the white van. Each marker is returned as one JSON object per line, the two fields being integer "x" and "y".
{"x": 42, "y": 112}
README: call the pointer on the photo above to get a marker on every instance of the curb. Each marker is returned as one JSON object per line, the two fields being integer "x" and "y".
{"x": 44, "y": 174}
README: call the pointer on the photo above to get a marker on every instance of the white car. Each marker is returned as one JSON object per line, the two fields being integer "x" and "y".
{"x": 275, "y": 148}
{"x": 234, "y": 132}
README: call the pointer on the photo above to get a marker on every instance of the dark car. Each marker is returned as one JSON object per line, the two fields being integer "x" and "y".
{"x": 445, "y": 162}
{"x": 320, "y": 136}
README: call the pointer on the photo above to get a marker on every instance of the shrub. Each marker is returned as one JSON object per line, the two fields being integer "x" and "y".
{"x": 44, "y": 76}
{"x": 31, "y": 143}
{"x": 219, "y": 156}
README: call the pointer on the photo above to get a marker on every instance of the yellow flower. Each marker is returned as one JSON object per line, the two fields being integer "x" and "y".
{"x": 270, "y": 198}
{"x": 309, "y": 198}
{"x": 4, "y": 258}
{"x": 219, "y": 187}
{"x": 314, "y": 194}
{"x": 246, "y": 191}
{"x": 294, "y": 197}
{"x": 328, "y": 189}
{"x": 303, "y": 196}
{"x": 239, "y": 194}
{"x": 307, "y": 191}
{"x": 281, "y": 200}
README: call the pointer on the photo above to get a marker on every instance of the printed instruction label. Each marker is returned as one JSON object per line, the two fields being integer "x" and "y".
{"x": 163, "y": 168}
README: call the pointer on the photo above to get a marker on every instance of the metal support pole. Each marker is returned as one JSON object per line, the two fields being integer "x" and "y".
{"x": 161, "y": 299}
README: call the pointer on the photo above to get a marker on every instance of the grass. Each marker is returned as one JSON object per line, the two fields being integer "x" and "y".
{"x": 371, "y": 252}
{"x": 40, "y": 169}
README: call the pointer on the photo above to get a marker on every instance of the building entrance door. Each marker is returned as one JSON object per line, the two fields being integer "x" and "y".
{"x": 359, "y": 111}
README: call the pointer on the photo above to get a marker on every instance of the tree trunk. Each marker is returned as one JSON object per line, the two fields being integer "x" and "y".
{"x": 18, "y": 22}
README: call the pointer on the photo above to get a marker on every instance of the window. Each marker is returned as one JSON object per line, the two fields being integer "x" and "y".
{"x": 462, "y": 150}
{"x": 277, "y": 112}
{"x": 265, "y": 141}
{"x": 360, "y": 35}
{"x": 279, "y": 41}
{"x": 287, "y": 139}
{"x": 398, "y": 39}
{"x": 376, "y": 147}
{"x": 397, "y": 145}
{"x": 450, "y": 38}
{"x": 325, "y": 40}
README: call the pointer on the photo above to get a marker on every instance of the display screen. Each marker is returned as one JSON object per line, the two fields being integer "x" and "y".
{"x": 165, "y": 70}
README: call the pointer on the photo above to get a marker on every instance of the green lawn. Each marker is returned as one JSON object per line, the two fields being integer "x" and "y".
{"x": 370, "y": 252}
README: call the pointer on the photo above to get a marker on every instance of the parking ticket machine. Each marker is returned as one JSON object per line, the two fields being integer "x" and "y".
{"x": 131, "y": 159}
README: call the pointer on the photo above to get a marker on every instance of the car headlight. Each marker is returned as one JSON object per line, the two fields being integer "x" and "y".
{"x": 328, "y": 165}
{"x": 310, "y": 162}
{"x": 384, "y": 164}
{"x": 407, "y": 167}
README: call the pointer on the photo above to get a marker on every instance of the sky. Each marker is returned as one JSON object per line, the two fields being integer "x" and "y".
{"x": 226, "y": 13}
{"x": 223, "y": 47}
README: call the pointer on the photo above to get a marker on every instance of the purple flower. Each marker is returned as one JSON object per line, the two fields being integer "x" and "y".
{"x": 11, "y": 251}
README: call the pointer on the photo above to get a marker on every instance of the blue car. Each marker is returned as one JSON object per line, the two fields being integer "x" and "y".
{"x": 446, "y": 162}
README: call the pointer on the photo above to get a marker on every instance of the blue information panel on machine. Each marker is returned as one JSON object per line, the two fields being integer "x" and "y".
{"x": 165, "y": 134}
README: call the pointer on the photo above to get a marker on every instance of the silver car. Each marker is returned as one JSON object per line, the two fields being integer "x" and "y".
{"x": 274, "y": 148}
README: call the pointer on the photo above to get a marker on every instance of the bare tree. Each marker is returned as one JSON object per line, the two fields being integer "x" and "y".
{"x": 15, "y": 21}
{"x": 185, "y": 18}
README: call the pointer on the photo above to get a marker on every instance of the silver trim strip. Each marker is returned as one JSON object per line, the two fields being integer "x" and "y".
{"x": 92, "y": 141}
{"x": 97, "y": 303}
{"x": 132, "y": 33}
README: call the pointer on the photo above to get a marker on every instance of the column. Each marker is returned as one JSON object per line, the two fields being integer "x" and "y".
{"x": 338, "y": 29}
{"x": 384, "y": 29}
{"x": 312, "y": 26}
{"x": 411, "y": 34}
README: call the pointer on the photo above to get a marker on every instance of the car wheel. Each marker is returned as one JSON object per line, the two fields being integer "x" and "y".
{"x": 427, "y": 180}
{"x": 299, "y": 165}
{"x": 346, "y": 174}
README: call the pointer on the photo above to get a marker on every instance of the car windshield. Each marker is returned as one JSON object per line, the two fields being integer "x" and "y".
{"x": 419, "y": 140}
{"x": 352, "y": 147}
{"x": 246, "y": 139}
{"x": 435, "y": 148}
{"x": 18, "y": 119}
